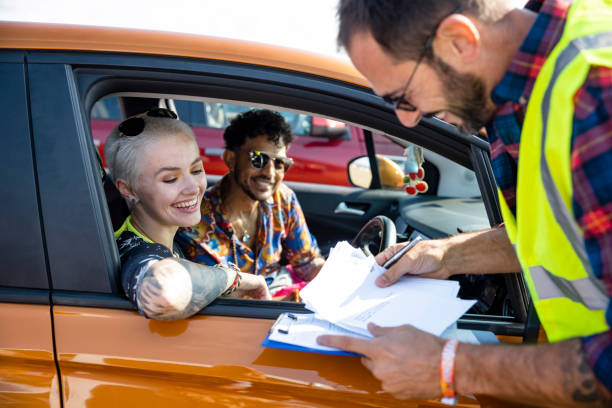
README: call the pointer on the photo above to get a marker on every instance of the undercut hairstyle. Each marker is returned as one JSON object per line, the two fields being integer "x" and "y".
{"x": 257, "y": 122}
{"x": 122, "y": 153}
{"x": 401, "y": 27}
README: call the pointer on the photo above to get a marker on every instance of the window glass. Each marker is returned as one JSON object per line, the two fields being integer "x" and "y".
{"x": 321, "y": 150}
{"x": 107, "y": 109}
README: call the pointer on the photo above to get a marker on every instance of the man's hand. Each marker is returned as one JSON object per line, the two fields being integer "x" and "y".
{"x": 406, "y": 360}
{"x": 424, "y": 260}
{"x": 253, "y": 286}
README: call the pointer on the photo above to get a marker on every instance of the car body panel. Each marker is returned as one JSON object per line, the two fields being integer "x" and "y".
{"x": 85, "y": 38}
{"x": 28, "y": 376}
{"x": 108, "y": 355}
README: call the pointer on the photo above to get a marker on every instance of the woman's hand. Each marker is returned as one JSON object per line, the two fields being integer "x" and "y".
{"x": 253, "y": 286}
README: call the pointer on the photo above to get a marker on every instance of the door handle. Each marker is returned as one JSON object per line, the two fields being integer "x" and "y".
{"x": 342, "y": 208}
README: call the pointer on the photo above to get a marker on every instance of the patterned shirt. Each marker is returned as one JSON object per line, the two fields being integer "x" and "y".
{"x": 282, "y": 233}
{"x": 591, "y": 153}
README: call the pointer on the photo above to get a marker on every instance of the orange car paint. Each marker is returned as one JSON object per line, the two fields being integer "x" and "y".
{"x": 109, "y": 355}
{"x": 28, "y": 377}
{"x": 73, "y": 37}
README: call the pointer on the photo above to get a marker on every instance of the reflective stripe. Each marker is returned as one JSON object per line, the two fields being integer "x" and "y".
{"x": 549, "y": 286}
{"x": 559, "y": 209}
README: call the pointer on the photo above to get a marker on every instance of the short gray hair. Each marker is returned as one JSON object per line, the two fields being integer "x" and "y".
{"x": 122, "y": 152}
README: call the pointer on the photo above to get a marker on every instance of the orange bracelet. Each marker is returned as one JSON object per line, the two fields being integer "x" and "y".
{"x": 447, "y": 372}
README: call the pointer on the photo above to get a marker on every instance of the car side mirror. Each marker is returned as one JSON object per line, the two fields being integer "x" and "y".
{"x": 360, "y": 173}
{"x": 328, "y": 128}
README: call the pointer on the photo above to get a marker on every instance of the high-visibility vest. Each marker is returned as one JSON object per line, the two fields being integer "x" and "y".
{"x": 569, "y": 299}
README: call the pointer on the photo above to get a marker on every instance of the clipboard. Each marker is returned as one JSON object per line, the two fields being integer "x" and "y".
{"x": 282, "y": 326}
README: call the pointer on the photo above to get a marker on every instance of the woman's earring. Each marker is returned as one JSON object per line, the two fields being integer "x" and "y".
{"x": 133, "y": 201}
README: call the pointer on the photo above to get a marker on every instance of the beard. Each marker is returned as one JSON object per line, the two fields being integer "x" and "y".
{"x": 243, "y": 183}
{"x": 466, "y": 97}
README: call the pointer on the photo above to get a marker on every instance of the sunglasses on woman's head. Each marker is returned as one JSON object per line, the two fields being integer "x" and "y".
{"x": 135, "y": 126}
{"x": 259, "y": 160}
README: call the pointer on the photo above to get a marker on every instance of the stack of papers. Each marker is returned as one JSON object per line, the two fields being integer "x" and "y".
{"x": 345, "y": 298}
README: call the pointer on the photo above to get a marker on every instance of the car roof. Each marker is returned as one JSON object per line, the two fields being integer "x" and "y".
{"x": 45, "y": 36}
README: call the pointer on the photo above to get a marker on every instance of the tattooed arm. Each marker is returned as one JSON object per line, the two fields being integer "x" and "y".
{"x": 547, "y": 374}
{"x": 173, "y": 289}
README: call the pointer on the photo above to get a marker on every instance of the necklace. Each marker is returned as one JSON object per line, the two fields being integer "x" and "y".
{"x": 238, "y": 222}
{"x": 232, "y": 239}
{"x": 245, "y": 234}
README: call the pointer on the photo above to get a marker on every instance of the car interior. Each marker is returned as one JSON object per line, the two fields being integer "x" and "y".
{"x": 371, "y": 218}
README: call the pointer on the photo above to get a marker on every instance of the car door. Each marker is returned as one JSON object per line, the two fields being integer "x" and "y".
{"x": 28, "y": 374}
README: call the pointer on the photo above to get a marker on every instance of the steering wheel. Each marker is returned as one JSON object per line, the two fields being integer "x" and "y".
{"x": 377, "y": 235}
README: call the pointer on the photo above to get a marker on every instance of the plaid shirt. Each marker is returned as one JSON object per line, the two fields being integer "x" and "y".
{"x": 282, "y": 233}
{"x": 591, "y": 153}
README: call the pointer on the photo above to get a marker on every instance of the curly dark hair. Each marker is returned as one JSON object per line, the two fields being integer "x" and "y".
{"x": 257, "y": 122}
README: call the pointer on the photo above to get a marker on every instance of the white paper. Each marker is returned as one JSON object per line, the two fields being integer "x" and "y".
{"x": 345, "y": 293}
{"x": 345, "y": 298}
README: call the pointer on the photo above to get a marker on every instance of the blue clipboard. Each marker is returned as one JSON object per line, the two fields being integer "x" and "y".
{"x": 286, "y": 346}
{"x": 267, "y": 342}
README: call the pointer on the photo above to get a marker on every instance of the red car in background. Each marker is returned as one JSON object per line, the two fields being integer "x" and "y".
{"x": 321, "y": 147}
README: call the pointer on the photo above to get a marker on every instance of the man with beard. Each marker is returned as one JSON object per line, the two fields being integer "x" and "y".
{"x": 540, "y": 78}
{"x": 250, "y": 218}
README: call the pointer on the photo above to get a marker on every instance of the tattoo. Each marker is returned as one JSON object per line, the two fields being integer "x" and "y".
{"x": 587, "y": 391}
{"x": 206, "y": 284}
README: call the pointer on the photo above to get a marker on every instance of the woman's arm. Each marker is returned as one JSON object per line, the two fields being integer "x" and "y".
{"x": 173, "y": 289}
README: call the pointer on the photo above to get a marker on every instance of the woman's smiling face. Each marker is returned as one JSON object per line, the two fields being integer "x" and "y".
{"x": 171, "y": 181}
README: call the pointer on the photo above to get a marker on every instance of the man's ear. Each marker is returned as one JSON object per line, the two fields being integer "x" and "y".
{"x": 125, "y": 190}
{"x": 457, "y": 40}
{"x": 229, "y": 157}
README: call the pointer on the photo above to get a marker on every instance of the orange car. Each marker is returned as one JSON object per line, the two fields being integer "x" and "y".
{"x": 68, "y": 335}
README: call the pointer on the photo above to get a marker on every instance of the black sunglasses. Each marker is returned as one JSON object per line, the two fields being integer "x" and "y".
{"x": 135, "y": 126}
{"x": 259, "y": 160}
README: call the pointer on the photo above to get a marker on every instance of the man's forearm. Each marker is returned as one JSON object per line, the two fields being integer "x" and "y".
{"x": 482, "y": 252}
{"x": 547, "y": 374}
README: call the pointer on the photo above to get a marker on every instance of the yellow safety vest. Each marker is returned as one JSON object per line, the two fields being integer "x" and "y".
{"x": 569, "y": 299}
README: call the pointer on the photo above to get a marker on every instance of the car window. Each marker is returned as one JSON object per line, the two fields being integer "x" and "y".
{"x": 321, "y": 150}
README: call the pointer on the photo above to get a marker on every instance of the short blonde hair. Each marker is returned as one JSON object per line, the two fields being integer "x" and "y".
{"x": 122, "y": 152}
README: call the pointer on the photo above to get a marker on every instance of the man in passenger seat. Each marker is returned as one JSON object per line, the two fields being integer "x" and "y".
{"x": 250, "y": 218}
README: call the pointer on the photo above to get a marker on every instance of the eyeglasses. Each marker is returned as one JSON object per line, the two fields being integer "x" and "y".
{"x": 135, "y": 126}
{"x": 400, "y": 102}
{"x": 259, "y": 160}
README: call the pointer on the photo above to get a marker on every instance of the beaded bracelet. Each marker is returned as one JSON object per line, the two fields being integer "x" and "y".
{"x": 236, "y": 283}
{"x": 447, "y": 372}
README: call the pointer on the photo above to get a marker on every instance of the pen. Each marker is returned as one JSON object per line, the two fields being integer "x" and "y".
{"x": 401, "y": 252}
